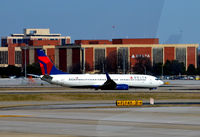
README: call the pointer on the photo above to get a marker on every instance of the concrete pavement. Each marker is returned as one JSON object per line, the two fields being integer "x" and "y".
{"x": 116, "y": 122}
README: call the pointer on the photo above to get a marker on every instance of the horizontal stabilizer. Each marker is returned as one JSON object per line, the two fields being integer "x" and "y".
{"x": 33, "y": 75}
{"x": 47, "y": 78}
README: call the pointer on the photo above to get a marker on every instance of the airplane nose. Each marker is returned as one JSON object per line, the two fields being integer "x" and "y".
{"x": 161, "y": 82}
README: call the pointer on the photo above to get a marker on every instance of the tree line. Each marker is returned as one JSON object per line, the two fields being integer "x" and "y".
{"x": 143, "y": 66}
{"x": 173, "y": 67}
{"x": 11, "y": 70}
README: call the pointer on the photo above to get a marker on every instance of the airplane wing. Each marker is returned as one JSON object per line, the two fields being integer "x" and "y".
{"x": 109, "y": 84}
{"x": 112, "y": 85}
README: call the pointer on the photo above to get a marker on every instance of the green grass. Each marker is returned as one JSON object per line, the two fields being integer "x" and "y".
{"x": 96, "y": 96}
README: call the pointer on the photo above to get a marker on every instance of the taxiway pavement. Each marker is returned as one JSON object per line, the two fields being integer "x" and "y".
{"x": 75, "y": 120}
{"x": 102, "y": 122}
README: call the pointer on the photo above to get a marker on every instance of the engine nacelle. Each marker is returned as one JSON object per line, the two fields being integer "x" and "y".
{"x": 122, "y": 87}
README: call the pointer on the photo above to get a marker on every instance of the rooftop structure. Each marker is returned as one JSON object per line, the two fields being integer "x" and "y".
{"x": 34, "y": 37}
{"x": 120, "y": 41}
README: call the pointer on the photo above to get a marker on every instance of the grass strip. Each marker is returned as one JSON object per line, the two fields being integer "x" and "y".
{"x": 95, "y": 96}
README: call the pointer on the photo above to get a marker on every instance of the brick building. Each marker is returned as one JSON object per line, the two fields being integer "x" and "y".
{"x": 11, "y": 53}
{"x": 91, "y": 55}
{"x": 95, "y": 54}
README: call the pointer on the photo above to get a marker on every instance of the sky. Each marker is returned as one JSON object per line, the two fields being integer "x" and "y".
{"x": 172, "y": 21}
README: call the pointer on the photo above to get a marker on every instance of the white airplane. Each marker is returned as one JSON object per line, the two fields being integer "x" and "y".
{"x": 98, "y": 81}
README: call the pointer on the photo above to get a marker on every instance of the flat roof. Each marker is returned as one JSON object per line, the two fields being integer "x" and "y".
{"x": 139, "y": 45}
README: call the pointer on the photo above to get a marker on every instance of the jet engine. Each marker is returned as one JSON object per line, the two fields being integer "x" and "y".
{"x": 122, "y": 87}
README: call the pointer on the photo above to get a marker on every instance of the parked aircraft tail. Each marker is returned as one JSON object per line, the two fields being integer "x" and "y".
{"x": 46, "y": 65}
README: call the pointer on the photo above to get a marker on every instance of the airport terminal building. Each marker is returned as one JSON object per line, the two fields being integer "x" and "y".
{"x": 90, "y": 55}
{"x": 157, "y": 53}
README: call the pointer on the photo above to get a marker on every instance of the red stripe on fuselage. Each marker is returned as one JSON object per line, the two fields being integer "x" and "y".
{"x": 48, "y": 63}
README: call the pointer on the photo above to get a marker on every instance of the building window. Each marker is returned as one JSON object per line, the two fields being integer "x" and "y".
{"x": 121, "y": 60}
{"x": 157, "y": 55}
{"x": 4, "y": 42}
{"x": 33, "y": 32}
{"x": 14, "y": 41}
{"x": 26, "y": 41}
{"x": 63, "y": 41}
{"x": 3, "y": 57}
{"x": 99, "y": 59}
{"x": 19, "y": 41}
{"x": 18, "y": 57}
{"x": 181, "y": 55}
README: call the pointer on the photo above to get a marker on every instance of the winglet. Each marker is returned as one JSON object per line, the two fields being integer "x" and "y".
{"x": 107, "y": 76}
{"x": 109, "y": 84}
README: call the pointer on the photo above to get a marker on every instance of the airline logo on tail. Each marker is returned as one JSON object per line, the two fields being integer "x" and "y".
{"x": 47, "y": 67}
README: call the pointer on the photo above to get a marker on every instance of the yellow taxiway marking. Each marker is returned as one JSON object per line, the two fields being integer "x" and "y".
{"x": 14, "y": 115}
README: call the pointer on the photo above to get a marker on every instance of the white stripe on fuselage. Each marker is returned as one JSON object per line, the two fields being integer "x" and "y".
{"x": 76, "y": 80}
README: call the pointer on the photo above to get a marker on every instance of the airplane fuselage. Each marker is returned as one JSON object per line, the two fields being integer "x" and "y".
{"x": 95, "y": 80}
{"x": 98, "y": 81}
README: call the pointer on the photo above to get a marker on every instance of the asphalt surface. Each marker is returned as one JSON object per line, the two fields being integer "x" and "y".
{"x": 98, "y": 119}
{"x": 102, "y": 122}
{"x": 27, "y": 86}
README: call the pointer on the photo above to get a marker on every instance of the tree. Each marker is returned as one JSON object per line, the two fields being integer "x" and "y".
{"x": 88, "y": 67}
{"x": 177, "y": 67}
{"x": 167, "y": 68}
{"x": 143, "y": 66}
{"x": 10, "y": 71}
{"x": 191, "y": 70}
{"x": 198, "y": 60}
{"x": 76, "y": 69}
{"x": 173, "y": 68}
{"x": 198, "y": 70}
{"x": 157, "y": 69}
{"x": 34, "y": 69}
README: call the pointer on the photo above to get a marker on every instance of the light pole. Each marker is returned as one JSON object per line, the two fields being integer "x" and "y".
{"x": 124, "y": 67}
{"x": 103, "y": 69}
{"x": 83, "y": 60}
{"x": 25, "y": 71}
{"x": 162, "y": 71}
{"x": 145, "y": 71}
